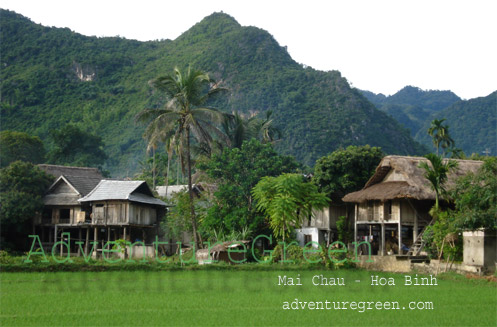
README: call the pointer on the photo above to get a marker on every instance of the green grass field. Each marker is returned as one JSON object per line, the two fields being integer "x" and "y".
{"x": 234, "y": 298}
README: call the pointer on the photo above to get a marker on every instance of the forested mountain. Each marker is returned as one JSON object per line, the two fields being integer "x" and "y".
{"x": 411, "y": 106}
{"x": 51, "y": 77}
{"x": 472, "y": 124}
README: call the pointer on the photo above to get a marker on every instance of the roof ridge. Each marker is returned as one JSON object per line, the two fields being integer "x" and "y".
{"x": 62, "y": 166}
{"x": 423, "y": 158}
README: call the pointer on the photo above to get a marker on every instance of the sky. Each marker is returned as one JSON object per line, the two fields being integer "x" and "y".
{"x": 377, "y": 45}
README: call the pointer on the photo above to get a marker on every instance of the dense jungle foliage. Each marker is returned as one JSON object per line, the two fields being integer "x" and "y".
{"x": 51, "y": 77}
{"x": 472, "y": 121}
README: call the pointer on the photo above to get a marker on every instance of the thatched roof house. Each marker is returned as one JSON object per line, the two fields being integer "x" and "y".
{"x": 392, "y": 210}
{"x": 399, "y": 177}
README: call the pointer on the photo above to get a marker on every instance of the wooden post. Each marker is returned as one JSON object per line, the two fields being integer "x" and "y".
{"x": 108, "y": 239}
{"x": 61, "y": 240}
{"x": 79, "y": 240}
{"x": 415, "y": 229}
{"x": 400, "y": 238}
{"x": 95, "y": 239}
{"x": 125, "y": 248}
{"x": 355, "y": 223}
{"x": 382, "y": 247}
{"x": 87, "y": 243}
{"x": 55, "y": 236}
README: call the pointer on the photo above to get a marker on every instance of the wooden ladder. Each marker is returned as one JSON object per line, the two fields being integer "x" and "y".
{"x": 419, "y": 244}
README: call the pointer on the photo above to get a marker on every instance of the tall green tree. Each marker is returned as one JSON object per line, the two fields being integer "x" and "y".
{"x": 20, "y": 146}
{"x": 440, "y": 135}
{"x": 475, "y": 197}
{"x": 436, "y": 172}
{"x": 22, "y": 186}
{"x": 73, "y": 146}
{"x": 346, "y": 170}
{"x": 184, "y": 116}
{"x": 287, "y": 200}
{"x": 236, "y": 171}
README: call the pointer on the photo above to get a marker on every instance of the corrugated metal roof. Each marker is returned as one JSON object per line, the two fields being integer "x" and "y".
{"x": 122, "y": 190}
{"x": 142, "y": 198}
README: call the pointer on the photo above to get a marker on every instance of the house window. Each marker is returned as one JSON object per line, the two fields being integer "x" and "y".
{"x": 307, "y": 238}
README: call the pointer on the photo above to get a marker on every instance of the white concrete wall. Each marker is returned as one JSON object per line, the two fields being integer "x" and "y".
{"x": 314, "y": 232}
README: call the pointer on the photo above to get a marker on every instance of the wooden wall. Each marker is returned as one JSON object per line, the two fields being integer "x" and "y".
{"x": 123, "y": 212}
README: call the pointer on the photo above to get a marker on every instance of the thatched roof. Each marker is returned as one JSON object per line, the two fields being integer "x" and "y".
{"x": 57, "y": 171}
{"x": 399, "y": 177}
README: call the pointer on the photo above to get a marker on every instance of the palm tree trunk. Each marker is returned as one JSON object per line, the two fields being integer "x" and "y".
{"x": 190, "y": 190}
{"x": 167, "y": 173}
{"x": 153, "y": 168}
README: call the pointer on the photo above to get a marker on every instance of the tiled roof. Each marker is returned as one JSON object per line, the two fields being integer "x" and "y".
{"x": 84, "y": 185}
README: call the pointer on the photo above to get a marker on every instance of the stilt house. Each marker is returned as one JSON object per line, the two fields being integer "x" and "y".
{"x": 391, "y": 211}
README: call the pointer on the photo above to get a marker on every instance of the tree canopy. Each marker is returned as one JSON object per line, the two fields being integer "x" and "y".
{"x": 75, "y": 147}
{"x": 346, "y": 170}
{"x": 286, "y": 200}
{"x": 236, "y": 171}
{"x": 22, "y": 186}
{"x": 20, "y": 146}
{"x": 475, "y": 197}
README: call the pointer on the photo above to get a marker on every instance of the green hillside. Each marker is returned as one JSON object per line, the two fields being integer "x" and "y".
{"x": 412, "y": 106}
{"x": 52, "y": 76}
{"x": 472, "y": 124}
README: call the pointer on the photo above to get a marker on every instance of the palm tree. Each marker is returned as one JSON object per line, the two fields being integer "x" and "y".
{"x": 440, "y": 134}
{"x": 239, "y": 128}
{"x": 267, "y": 131}
{"x": 184, "y": 117}
{"x": 436, "y": 174}
{"x": 446, "y": 142}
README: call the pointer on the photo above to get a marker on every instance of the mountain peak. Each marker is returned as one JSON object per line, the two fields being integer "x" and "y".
{"x": 220, "y": 17}
{"x": 216, "y": 23}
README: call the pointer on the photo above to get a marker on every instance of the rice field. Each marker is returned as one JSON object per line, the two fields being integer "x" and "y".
{"x": 241, "y": 298}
